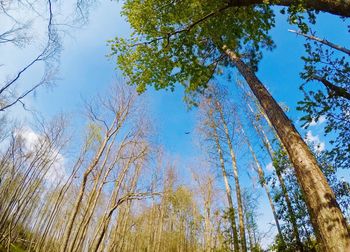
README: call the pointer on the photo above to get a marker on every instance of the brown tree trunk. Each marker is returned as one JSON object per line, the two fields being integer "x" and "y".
{"x": 336, "y": 7}
{"x": 329, "y": 223}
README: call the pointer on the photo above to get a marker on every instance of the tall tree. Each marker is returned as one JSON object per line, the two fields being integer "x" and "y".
{"x": 209, "y": 128}
{"x": 217, "y": 100}
{"x": 255, "y": 120}
{"x": 187, "y": 44}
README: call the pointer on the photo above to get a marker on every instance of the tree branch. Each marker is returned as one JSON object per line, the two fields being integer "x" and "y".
{"x": 337, "y": 91}
{"x": 323, "y": 41}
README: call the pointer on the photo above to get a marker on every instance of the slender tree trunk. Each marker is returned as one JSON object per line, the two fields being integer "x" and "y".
{"x": 291, "y": 214}
{"x": 249, "y": 229}
{"x": 267, "y": 190}
{"x": 160, "y": 224}
{"x": 124, "y": 226}
{"x": 326, "y": 217}
{"x": 78, "y": 202}
{"x": 236, "y": 177}
{"x": 228, "y": 191}
{"x": 285, "y": 193}
{"x": 93, "y": 199}
{"x": 115, "y": 203}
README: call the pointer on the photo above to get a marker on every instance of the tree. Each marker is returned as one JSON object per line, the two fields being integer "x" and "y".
{"x": 251, "y": 201}
{"x": 256, "y": 120}
{"x": 205, "y": 185}
{"x": 325, "y": 63}
{"x": 24, "y": 171}
{"x": 292, "y": 211}
{"x": 18, "y": 34}
{"x": 297, "y": 199}
{"x": 110, "y": 157}
{"x": 209, "y": 129}
{"x": 188, "y": 45}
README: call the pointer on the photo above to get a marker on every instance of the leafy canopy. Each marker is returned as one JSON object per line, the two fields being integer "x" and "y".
{"x": 181, "y": 41}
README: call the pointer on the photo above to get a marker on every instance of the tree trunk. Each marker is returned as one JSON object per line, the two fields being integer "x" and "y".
{"x": 228, "y": 191}
{"x": 292, "y": 217}
{"x": 329, "y": 223}
{"x": 336, "y": 7}
{"x": 263, "y": 184}
{"x": 235, "y": 175}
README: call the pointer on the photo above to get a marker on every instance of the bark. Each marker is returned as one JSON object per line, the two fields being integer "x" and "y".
{"x": 228, "y": 190}
{"x": 329, "y": 223}
{"x": 236, "y": 177}
{"x": 74, "y": 214}
{"x": 292, "y": 217}
{"x": 115, "y": 203}
{"x": 336, "y": 7}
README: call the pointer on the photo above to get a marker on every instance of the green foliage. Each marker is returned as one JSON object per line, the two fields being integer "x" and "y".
{"x": 320, "y": 101}
{"x": 340, "y": 188}
{"x": 94, "y": 134}
{"x": 301, "y": 216}
{"x": 297, "y": 15}
{"x": 181, "y": 41}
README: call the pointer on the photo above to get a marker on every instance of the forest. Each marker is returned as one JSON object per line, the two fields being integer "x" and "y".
{"x": 175, "y": 125}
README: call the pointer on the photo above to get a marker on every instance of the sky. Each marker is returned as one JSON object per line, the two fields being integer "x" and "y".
{"x": 86, "y": 71}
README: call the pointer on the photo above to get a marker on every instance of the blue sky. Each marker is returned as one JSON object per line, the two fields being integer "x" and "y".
{"x": 85, "y": 71}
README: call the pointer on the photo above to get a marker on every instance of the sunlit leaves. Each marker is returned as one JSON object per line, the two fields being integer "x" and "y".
{"x": 181, "y": 41}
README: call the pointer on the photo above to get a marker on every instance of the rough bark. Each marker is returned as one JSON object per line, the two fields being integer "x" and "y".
{"x": 329, "y": 223}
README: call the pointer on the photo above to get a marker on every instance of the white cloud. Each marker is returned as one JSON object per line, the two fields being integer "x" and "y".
{"x": 320, "y": 120}
{"x": 269, "y": 167}
{"x": 57, "y": 171}
{"x": 315, "y": 141}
